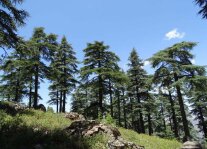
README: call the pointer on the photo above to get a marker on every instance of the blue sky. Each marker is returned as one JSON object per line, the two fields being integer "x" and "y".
{"x": 147, "y": 25}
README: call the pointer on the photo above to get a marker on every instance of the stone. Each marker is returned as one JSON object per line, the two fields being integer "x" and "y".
{"x": 191, "y": 145}
{"x": 41, "y": 107}
{"x": 89, "y": 128}
{"x": 38, "y": 146}
{"x": 116, "y": 144}
{"x": 74, "y": 116}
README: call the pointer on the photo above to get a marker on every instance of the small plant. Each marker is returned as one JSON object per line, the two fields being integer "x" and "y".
{"x": 107, "y": 119}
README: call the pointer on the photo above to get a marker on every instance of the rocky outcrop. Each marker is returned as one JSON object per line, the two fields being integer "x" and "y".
{"x": 90, "y": 127}
{"x": 191, "y": 145}
{"x": 12, "y": 107}
{"x": 120, "y": 143}
{"x": 41, "y": 107}
{"x": 74, "y": 116}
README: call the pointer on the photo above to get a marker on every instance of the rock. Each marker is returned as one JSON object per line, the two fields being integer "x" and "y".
{"x": 41, "y": 107}
{"x": 80, "y": 128}
{"x": 89, "y": 128}
{"x": 116, "y": 144}
{"x": 120, "y": 143}
{"x": 12, "y": 107}
{"x": 74, "y": 116}
{"x": 191, "y": 145}
{"x": 38, "y": 146}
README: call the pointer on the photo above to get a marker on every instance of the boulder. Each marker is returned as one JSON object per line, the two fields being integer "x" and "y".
{"x": 87, "y": 128}
{"x": 74, "y": 116}
{"x": 191, "y": 145}
{"x": 38, "y": 146}
{"x": 120, "y": 143}
{"x": 41, "y": 107}
{"x": 12, "y": 107}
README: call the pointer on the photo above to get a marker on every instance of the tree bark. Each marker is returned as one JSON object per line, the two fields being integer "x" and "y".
{"x": 30, "y": 94}
{"x": 111, "y": 100}
{"x": 182, "y": 110}
{"x": 141, "y": 121}
{"x": 36, "y": 86}
{"x": 64, "y": 101}
{"x": 119, "y": 109}
{"x": 60, "y": 109}
{"x": 149, "y": 124}
{"x": 163, "y": 117}
{"x": 132, "y": 113}
{"x": 203, "y": 123}
{"x": 175, "y": 125}
{"x": 100, "y": 90}
{"x": 57, "y": 101}
{"x": 16, "y": 99}
{"x": 124, "y": 109}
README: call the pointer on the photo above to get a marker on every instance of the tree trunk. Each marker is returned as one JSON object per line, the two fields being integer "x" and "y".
{"x": 182, "y": 110}
{"x": 124, "y": 109}
{"x": 149, "y": 124}
{"x": 57, "y": 101}
{"x": 30, "y": 95}
{"x": 119, "y": 109}
{"x": 64, "y": 101}
{"x": 111, "y": 100}
{"x": 101, "y": 95}
{"x": 132, "y": 113}
{"x": 65, "y": 86}
{"x": 60, "y": 109}
{"x": 100, "y": 86}
{"x": 175, "y": 125}
{"x": 163, "y": 117}
{"x": 203, "y": 123}
{"x": 16, "y": 99}
{"x": 36, "y": 86}
{"x": 141, "y": 121}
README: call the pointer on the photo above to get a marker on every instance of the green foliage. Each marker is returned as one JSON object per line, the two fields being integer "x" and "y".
{"x": 50, "y": 109}
{"x": 11, "y": 18}
{"x": 100, "y": 64}
{"x": 175, "y": 71}
{"x": 108, "y": 120}
{"x": 137, "y": 87}
{"x": 63, "y": 68}
{"x": 203, "y": 5}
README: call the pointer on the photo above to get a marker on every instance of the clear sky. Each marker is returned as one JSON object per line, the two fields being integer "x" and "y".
{"x": 147, "y": 25}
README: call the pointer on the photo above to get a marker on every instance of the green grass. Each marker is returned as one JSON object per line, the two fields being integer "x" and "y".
{"x": 27, "y": 128}
{"x": 31, "y": 127}
{"x": 44, "y": 120}
{"x": 149, "y": 142}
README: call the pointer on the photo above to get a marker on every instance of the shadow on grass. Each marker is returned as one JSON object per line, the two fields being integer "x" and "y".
{"x": 12, "y": 137}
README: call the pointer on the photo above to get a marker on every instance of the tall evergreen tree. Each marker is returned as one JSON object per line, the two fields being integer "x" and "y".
{"x": 177, "y": 60}
{"x": 68, "y": 69}
{"x": 14, "y": 78}
{"x": 165, "y": 83}
{"x": 11, "y": 18}
{"x": 203, "y": 5}
{"x": 63, "y": 69}
{"x": 137, "y": 80}
{"x": 198, "y": 100}
{"x": 96, "y": 68}
{"x": 40, "y": 48}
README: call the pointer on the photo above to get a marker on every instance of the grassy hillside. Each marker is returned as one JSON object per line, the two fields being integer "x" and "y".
{"x": 30, "y": 128}
{"x": 149, "y": 142}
